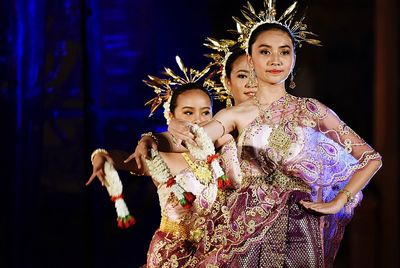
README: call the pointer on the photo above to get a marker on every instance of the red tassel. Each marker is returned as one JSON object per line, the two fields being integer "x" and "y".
{"x": 120, "y": 223}
{"x": 220, "y": 184}
{"x": 125, "y": 222}
{"x": 228, "y": 183}
{"x": 131, "y": 221}
{"x": 171, "y": 181}
{"x": 187, "y": 205}
{"x": 115, "y": 198}
{"x": 189, "y": 197}
{"x": 211, "y": 158}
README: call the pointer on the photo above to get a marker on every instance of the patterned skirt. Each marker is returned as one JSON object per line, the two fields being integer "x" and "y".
{"x": 294, "y": 240}
{"x": 263, "y": 225}
{"x": 168, "y": 250}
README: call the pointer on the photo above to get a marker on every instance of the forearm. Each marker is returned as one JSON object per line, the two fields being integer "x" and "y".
{"x": 118, "y": 157}
{"x": 214, "y": 129}
{"x": 166, "y": 143}
{"x": 362, "y": 176}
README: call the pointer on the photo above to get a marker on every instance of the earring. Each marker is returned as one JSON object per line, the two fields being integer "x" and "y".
{"x": 252, "y": 82}
{"x": 292, "y": 84}
{"x": 228, "y": 101}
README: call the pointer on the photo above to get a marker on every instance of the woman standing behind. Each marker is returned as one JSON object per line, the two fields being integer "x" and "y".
{"x": 232, "y": 60}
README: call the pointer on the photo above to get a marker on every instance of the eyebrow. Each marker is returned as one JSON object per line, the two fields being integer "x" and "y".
{"x": 191, "y": 107}
{"x": 242, "y": 70}
{"x": 268, "y": 46}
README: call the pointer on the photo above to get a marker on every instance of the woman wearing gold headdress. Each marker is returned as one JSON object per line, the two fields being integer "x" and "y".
{"x": 186, "y": 186}
{"x": 303, "y": 168}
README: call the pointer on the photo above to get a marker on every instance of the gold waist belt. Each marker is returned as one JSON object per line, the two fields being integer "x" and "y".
{"x": 175, "y": 228}
{"x": 181, "y": 230}
{"x": 278, "y": 179}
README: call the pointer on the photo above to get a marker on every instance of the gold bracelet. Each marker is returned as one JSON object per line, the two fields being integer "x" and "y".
{"x": 348, "y": 194}
{"x": 136, "y": 174}
{"x": 222, "y": 125}
{"x": 151, "y": 135}
{"x": 98, "y": 151}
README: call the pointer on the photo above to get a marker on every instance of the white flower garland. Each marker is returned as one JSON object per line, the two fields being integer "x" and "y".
{"x": 160, "y": 171}
{"x": 167, "y": 110}
{"x": 114, "y": 188}
{"x": 206, "y": 151}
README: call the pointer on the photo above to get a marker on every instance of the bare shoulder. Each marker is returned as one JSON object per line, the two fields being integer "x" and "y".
{"x": 245, "y": 106}
{"x": 236, "y": 117}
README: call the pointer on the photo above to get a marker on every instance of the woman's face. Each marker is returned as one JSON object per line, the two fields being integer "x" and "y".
{"x": 238, "y": 79}
{"x": 193, "y": 106}
{"x": 273, "y": 57}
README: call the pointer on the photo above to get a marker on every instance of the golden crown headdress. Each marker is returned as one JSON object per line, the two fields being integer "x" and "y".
{"x": 223, "y": 50}
{"x": 164, "y": 87}
{"x": 298, "y": 29}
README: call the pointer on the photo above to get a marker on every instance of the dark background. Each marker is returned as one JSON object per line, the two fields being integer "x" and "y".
{"x": 70, "y": 82}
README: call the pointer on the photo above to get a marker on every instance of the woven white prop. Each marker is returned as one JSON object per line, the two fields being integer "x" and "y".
{"x": 114, "y": 188}
{"x": 161, "y": 173}
{"x": 206, "y": 151}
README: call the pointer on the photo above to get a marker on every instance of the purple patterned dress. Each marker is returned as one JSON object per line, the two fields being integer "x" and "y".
{"x": 262, "y": 223}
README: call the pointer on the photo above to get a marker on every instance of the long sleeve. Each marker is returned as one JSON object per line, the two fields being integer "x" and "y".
{"x": 334, "y": 128}
{"x": 230, "y": 162}
{"x": 350, "y": 152}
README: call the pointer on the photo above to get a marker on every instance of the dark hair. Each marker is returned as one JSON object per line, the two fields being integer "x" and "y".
{"x": 236, "y": 53}
{"x": 266, "y": 27}
{"x": 183, "y": 88}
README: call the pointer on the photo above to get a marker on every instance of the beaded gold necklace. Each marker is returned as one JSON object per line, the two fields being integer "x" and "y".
{"x": 278, "y": 139}
{"x": 200, "y": 169}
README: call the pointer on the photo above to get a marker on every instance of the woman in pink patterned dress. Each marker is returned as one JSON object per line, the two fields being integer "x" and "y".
{"x": 303, "y": 170}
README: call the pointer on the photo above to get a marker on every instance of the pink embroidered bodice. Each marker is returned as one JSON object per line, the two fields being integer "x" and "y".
{"x": 324, "y": 152}
{"x": 205, "y": 194}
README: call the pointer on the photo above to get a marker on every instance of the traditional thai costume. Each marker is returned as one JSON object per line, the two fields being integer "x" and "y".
{"x": 297, "y": 149}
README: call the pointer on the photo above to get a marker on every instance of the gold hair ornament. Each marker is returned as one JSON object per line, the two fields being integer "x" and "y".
{"x": 297, "y": 28}
{"x": 223, "y": 50}
{"x": 165, "y": 87}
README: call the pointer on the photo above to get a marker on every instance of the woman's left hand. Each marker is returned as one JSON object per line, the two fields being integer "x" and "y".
{"x": 180, "y": 131}
{"x": 332, "y": 207}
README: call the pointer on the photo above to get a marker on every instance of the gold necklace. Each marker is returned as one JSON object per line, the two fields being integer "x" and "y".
{"x": 200, "y": 170}
{"x": 278, "y": 139}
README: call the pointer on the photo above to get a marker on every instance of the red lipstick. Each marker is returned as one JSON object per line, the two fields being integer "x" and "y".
{"x": 274, "y": 71}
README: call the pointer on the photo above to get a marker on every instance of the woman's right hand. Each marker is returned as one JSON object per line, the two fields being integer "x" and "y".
{"x": 142, "y": 151}
{"x": 99, "y": 161}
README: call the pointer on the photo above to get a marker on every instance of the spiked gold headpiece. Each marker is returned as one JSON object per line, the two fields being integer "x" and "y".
{"x": 165, "y": 87}
{"x": 223, "y": 50}
{"x": 252, "y": 20}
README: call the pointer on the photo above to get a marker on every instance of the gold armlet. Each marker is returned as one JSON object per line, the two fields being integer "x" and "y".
{"x": 222, "y": 125}
{"x": 98, "y": 151}
{"x": 151, "y": 135}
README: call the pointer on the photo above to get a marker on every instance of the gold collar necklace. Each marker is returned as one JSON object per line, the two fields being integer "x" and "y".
{"x": 200, "y": 169}
{"x": 278, "y": 139}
